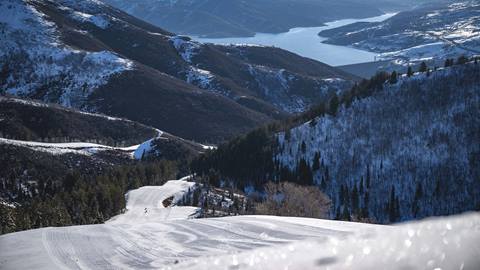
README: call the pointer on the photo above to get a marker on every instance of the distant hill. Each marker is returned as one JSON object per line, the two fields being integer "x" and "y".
{"x": 211, "y": 18}
{"x": 437, "y": 30}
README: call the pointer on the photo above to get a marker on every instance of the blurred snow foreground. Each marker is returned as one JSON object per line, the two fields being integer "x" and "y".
{"x": 153, "y": 234}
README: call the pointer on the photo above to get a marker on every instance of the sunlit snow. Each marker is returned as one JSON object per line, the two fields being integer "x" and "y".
{"x": 151, "y": 236}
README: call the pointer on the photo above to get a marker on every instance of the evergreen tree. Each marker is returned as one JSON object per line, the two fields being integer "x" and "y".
{"x": 327, "y": 174}
{"x": 346, "y": 214}
{"x": 316, "y": 162}
{"x": 338, "y": 215}
{"x": 437, "y": 188}
{"x": 393, "y": 78}
{"x": 462, "y": 60}
{"x": 288, "y": 135}
{"x": 341, "y": 195}
{"x": 195, "y": 197}
{"x": 323, "y": 184}
{"x": 355, "y": 199}
{"x": 333, "y": 105}
{"x": 448, "y": 62}
{"x": 304, "y": 172}
{"x": 361, "y": 188}
{"x": 393, "y": 206}
{"x": 423, "y": 67}
{"x": 418, "y": 196}
{"x": 366, "y": 203}
{"x": 397, "y": 209}
{"x": 410, "y": 71}
{"x": 368, "y": 177}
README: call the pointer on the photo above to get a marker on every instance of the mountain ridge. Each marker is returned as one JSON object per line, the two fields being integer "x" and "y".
{"x": 100, "y": 67}
{"x": 242, "y": 18}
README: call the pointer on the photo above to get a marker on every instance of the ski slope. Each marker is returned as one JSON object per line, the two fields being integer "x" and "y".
{"x": 150, "y": 236}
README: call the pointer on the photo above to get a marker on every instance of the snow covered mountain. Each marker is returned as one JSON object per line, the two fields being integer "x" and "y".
{"x": 149, "y": 235}
{"x": 415, "y": 141}
{"x": 88, "y": 55}
{"x": 242, "y": 18}
{"x": 436, "y": 30}
{"x": 33, "y": 57}
{"x": 385, "y": 151}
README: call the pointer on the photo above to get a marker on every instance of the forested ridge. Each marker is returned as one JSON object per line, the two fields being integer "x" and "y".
{"x": 59, "y": 190}
{"x": 357, "y": 165}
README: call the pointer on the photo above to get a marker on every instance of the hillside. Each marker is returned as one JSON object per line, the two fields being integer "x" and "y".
{"x": 34, "y": 121}
{"x": 384, "y": 152}
{"x": 90, "y": 56}
{"x": 150, "y": 235}
{"x": 53, "y": 157}
{"x": 436, "y": 30}
{"x": 242, "y": 18}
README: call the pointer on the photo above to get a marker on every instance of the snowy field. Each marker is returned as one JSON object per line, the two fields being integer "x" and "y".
{"x": 150, "y": 236}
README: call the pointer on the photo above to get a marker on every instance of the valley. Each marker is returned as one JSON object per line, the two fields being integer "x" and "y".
{"x": 102, "y": 68}
{"x": 240, "y": 134}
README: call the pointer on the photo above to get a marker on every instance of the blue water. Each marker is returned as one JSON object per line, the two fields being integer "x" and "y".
{"x": 306, "y": 42}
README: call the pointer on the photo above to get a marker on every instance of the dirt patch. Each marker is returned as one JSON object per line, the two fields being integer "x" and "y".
{"x": 167, "y": 202}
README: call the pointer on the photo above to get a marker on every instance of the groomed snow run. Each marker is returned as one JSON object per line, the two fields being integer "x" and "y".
{"x": 151, "y": 236}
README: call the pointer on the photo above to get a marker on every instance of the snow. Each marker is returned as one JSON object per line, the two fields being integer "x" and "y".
{"x": 448, "y": 243}
{"x": 435, "y": 50}
{"x": 151, "y": 236}
{"x": 142, "y": 149}
{"x": 58, "y": 148}
{"x": 145, "y": 148}
{"x": 185, "y": 47}
{"x": 23, "y": 101}
{"x": 82, "y": 148}
{"x": 440, "y": 31}
{"x": 200, "y": 77}
{"x": 36, "y": 58}
{"x": 6, "y": 204}
{"x": 144, "y": 205}
{"x": 99, "y": 20}
{"x": 278, "y": 86}
{"x": 208, "y": 147}
{"x": 393, "y": 138}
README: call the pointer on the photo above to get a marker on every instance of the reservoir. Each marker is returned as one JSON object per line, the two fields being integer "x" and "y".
{"x": 306, "y": 42}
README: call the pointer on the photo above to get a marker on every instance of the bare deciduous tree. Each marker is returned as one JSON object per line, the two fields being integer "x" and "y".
{"x": 288, "y": 199}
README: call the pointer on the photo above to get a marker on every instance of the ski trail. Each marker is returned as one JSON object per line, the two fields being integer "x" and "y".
{"x": 52, "y": 256}
{"x": 166, "y": 238}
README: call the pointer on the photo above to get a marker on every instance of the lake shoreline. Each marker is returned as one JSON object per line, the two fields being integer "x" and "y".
{"x": 306, "y": 42}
